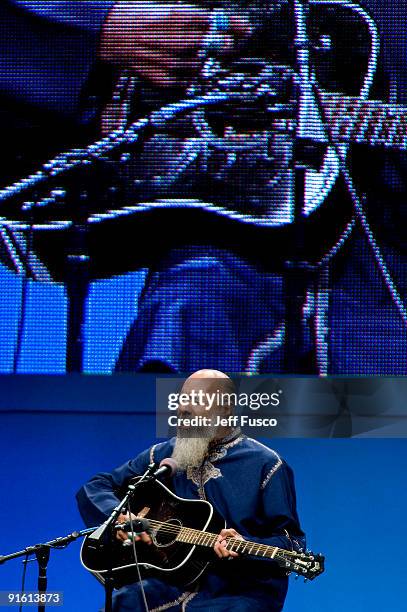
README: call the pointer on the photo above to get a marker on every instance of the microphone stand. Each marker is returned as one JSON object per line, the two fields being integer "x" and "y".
{"x": 98, "y": 537}
{"x": 42, "y": 554}
{"x": 80, "y": 199}
{"x": 298, "y": 272}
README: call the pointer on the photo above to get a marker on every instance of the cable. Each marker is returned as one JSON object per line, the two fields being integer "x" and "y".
{"x": 374, "y": 34}
{"x": 361, "y": 214}
{"x": 262, "y": 350}
{"x": 357, "y": 201}
{"x": 143, "y": 593}
{"x": 23, "y": 299}
{"x": 275, "y": 340}
{"x": 25, "y": 562}
{"x": 322, "y": 322}
{"x": 21, "y": 323}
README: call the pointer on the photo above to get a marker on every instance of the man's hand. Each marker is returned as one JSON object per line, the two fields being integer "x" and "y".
{"x": 123, "y": 535}
{"x": 161, "y": 42}
{"x": 220, "y": 546}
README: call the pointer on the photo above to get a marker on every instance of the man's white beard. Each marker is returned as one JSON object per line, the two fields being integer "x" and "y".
{"x": 190, "y": 452}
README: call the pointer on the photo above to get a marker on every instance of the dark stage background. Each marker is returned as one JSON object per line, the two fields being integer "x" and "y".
{"x": 351, "y": 495}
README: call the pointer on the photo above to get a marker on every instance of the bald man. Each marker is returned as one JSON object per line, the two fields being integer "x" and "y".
{"x": 216, "y": 466}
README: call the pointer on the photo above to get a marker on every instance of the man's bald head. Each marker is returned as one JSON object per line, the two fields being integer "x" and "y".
{"x": 206, "y": 373}
{"x": 210, "y": 381}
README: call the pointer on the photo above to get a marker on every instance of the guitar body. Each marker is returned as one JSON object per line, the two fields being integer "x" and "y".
{"x": 176, "y": 562}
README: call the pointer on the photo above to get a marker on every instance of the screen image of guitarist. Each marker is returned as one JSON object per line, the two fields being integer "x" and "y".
{"x": 214, "y": 184}
{"x": 220, "y": 532}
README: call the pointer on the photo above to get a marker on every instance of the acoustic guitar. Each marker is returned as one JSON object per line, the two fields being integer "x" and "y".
{"x": 183, "y": 533}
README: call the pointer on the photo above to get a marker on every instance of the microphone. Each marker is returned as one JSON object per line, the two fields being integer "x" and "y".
{"x": 167, "y": 467}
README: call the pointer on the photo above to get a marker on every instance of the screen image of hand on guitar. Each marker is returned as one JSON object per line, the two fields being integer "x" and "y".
{"x": 190, "y": 504}
{"x": 273, "y": 174}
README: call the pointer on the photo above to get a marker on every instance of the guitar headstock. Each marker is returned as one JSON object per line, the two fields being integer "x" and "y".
{"x": 305, "y": 564}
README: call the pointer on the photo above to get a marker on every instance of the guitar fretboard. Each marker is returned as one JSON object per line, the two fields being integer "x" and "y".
{"x": 199, "y": 538}
{"x": 366, "y": 121}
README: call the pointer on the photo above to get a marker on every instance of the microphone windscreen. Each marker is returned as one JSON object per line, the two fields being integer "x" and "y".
{"x": 168, "y": 461}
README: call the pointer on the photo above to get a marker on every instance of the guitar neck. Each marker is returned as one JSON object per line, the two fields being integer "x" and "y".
{"x": 202, "y": 538}
{"x": 365, "y": 121}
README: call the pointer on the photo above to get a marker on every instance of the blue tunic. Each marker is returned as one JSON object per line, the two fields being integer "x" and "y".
{"x": 206, "y": 307}
{"x": 252, "y": 488}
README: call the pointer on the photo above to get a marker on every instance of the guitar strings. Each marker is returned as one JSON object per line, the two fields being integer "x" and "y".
{"x": 277, "y": 556}
{"x": 175, "y": 529}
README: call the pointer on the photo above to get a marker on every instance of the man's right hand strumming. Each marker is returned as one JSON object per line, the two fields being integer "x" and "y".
{"x": 123, "y": 536}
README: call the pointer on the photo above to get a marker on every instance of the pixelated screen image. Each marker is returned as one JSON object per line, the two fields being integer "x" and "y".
{"x": 208, "y": 184}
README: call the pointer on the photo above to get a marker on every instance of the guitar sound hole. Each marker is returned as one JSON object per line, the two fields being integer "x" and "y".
{"x": 167, "y": 533}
